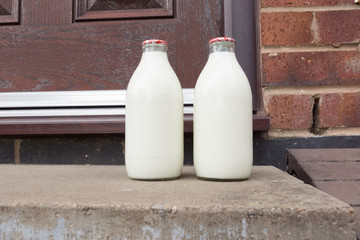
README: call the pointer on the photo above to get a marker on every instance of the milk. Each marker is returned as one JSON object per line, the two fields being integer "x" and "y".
{"x": 223, "y": 118}
{"x": 154, "y": 118}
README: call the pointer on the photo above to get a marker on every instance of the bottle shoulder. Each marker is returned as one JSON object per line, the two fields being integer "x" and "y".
{"x": 218, "y": 76}
{"x": 149, "y": 81}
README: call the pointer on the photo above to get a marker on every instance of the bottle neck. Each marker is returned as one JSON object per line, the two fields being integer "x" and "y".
{"x": 154, "y": 55}
{"x": 154, "y": 48}
{"x": 222, "y": 47}
{"x": 222, "y": 54}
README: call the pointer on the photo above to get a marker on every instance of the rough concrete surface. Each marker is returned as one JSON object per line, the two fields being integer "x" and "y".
{"x": 100, "y": 202}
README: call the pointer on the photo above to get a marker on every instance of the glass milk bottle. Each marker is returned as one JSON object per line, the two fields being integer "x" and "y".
{"x": 154, "y": 117}
{"x": 223, "y": 116}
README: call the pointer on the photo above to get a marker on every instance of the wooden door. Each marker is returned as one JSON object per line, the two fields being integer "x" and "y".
{"x": 51, "y": 45}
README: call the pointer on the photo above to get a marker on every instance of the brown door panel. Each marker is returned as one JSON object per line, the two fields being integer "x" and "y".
{"x": 101, "y": 55}
{"x": 49, "y": 51}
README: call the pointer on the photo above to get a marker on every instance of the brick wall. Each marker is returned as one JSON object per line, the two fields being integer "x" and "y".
{"x": 310, "y": 66}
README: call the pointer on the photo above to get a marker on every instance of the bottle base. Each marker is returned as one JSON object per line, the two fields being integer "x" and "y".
{"x": 155, "y": 179}
{"x": 222, "y": 179}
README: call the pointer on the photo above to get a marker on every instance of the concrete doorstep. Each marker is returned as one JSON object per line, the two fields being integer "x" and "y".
{"x": 100, "y": 202}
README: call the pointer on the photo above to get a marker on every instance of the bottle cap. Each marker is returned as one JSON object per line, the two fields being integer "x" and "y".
{"x": 222, "y": 39}
{"x": 154, "y": 41}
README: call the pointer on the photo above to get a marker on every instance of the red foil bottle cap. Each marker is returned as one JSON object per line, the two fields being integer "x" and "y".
{"x": 154, "y": 41}
{"x": 222, "y": 39}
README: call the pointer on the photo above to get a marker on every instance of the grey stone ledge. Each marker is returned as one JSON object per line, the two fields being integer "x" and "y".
{"x": 100, "y": 202}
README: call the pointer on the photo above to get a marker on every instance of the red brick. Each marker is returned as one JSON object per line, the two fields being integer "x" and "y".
{"x": 296, "y": 69}
{"x": 347, "y": 67}
{"x": 311, "y": 68}
{"x": 286, "y": 28}
{"x": 289, "y": 111}
{"x": 339, "y": 110}
{"x": 338, "y": 26}
{"x": 303, "y": 3}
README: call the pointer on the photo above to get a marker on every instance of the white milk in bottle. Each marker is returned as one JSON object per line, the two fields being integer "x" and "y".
{"x": 154, "y": 117}
{"x": 223, "y": 147}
